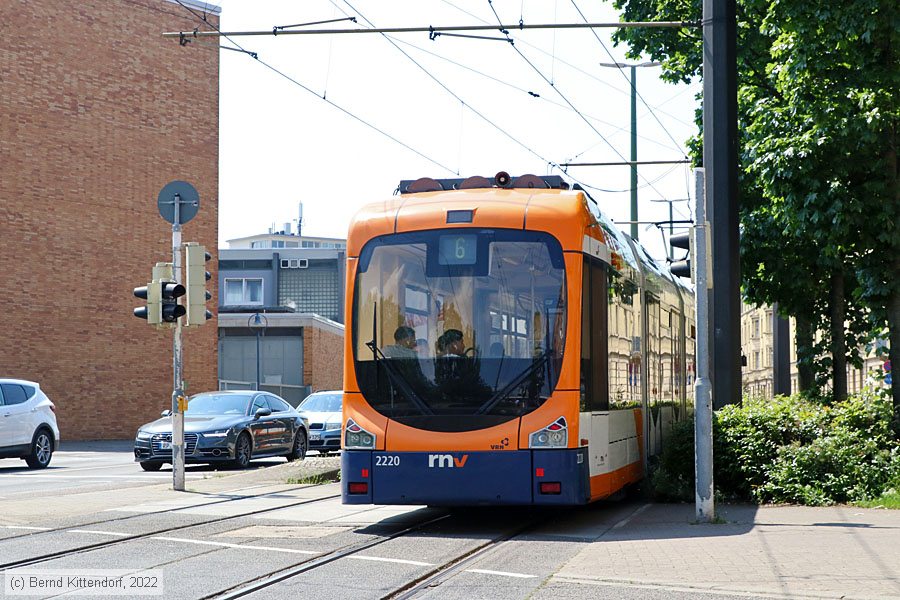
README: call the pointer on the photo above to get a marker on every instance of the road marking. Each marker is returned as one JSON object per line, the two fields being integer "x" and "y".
{"x": 70, "y": 469}
{"x": 136, "y": 476}
{"x": 393, "y": 560}
{"x": 227, "y": 545}
{"x": 501, "y": 573}
{"x": 625, "y": 521}
{"x": 25, "y": 527}
{"x": 97, "y": 532}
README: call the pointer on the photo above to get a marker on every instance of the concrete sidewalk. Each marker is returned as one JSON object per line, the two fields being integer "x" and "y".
{"x": 770, "y": 551}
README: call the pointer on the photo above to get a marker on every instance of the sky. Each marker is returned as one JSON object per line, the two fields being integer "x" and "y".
{"x": 349, "y": 116}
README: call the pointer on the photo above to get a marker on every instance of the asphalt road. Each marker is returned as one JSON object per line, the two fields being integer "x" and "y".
{"x": 202, "y": 558}
{"x": 84, "y": 466}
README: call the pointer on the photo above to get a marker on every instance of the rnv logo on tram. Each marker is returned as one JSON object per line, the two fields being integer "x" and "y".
{"x": 446, "y": 461}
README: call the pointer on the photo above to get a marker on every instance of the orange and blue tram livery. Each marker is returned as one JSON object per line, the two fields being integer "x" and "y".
{"x": 506, "y": 345}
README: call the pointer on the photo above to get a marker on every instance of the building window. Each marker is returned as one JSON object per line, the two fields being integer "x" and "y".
{"x": 243, "y": 291}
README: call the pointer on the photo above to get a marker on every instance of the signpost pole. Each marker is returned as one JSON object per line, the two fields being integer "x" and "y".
{"x": 178, "y": 203}
{"x": 178, "y": 404}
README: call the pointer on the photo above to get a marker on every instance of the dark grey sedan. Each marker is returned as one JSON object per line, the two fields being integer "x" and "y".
{"x": 227, "y": 427}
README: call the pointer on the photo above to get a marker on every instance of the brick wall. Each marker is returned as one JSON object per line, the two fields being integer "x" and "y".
{"x": 97, "y": 113}
{"x": 323, "y": 359}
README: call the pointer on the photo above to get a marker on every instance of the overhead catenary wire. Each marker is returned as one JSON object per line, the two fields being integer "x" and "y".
{"x": 552, "y": 164}
{"x": 631, "y": 84}
{"x": 240, "y": 48}
{"x": 563, "y": 96}
{"x": 521, "y": 89}
{"x": 375, "y": 128}
{"x": 503, "y": 131}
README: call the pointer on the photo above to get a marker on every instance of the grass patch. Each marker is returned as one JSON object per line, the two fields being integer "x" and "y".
{"x": 317, "y": 479}
{"x": 889, "y": 499}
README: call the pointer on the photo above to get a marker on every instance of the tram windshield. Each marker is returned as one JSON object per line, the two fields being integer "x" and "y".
{"x": 459, "y": 329}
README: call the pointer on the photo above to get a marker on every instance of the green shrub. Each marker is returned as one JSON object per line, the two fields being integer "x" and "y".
{"x": 672, "y": 477}
{"x": 790, "y": 449}
{"x": 843, "y": 466}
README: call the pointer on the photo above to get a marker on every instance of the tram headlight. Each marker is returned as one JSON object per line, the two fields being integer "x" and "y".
{"x": 355, "y": 437}
{"x": 554, "y": 435}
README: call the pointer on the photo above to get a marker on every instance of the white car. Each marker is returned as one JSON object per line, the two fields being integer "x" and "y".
{"x": 27, "y": 423}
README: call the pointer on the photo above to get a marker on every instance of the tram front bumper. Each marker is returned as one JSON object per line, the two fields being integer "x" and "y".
{"x": 511, "y": 477}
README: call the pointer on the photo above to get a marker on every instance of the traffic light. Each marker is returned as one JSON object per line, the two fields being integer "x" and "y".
{"x": 162, "y": 295}
{"x": 681, "y": 268}
{"x": 151, "y": 312}
{"x": 170, "y": 291}
{"x": 196, "y": 277}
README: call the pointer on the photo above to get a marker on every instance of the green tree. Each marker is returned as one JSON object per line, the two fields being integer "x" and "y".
{"x": 817, "y": 119}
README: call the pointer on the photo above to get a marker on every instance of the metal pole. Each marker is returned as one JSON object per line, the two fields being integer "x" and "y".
{"x": 781, "y": 350}
{"x": 431, "y": 29}
{"x": 634, "y": 200}
{"x": 671, "y": 229}
{"x": 257, "y": 359}
{"x": 178, "y": 391}
{"x": 703, "y": 412}
{"x": 720, "y": 161}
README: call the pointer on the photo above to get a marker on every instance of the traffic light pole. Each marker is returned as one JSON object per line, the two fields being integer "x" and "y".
{"x": 178, "y": 404}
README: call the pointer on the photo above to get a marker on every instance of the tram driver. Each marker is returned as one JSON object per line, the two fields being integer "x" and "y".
{"x": 450, "y": 344}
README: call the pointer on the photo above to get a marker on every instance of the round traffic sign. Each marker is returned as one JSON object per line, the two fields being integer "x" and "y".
{"x": 182, "y": 194}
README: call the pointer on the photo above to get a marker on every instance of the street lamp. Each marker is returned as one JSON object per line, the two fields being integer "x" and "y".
{"x": 258, "y": 322}
{"x": 634, "y": 202}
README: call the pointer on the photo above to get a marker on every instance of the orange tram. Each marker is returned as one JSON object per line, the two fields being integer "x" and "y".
{"x": 506, "y": 345}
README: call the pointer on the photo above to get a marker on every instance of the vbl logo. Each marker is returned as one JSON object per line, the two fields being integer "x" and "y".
{"x": 446, "y": 461}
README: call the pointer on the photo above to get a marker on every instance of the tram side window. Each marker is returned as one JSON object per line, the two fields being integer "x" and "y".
{"x": 585, "y": 337}
{"x": 599, "y": 328}
{"x": 594, "y": 318}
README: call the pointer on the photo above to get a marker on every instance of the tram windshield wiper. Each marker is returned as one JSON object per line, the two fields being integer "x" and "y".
{"x": 397, "y": 378}
{"x": 539, "y": 361}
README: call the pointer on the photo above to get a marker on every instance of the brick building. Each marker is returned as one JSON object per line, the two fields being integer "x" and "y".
{"x": 97, "y": 113}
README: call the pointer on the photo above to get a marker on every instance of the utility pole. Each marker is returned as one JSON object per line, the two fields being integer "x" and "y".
{"x": 703, "y": 408}
{"x": 720, "y": 162}
{"x": 634, "y": 161}
{"x": 634, "y": 202}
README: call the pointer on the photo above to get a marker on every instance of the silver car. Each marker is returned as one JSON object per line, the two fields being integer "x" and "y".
{"x": 227, "y": 427}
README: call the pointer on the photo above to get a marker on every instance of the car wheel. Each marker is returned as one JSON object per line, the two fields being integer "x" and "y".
{"x": 298, "y": 452}
{"x": 151, "y": 466}
{"x": 242, "y": 450}
{"x": 41, "y": 449}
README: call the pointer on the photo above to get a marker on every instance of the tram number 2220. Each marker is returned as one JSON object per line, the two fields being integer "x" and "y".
{"x": 387, "y": 460}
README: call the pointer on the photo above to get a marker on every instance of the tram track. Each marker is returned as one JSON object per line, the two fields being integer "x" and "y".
{"x": 458, "y": 564}
{"x": 266, "y": 581}
{"x": 51, "y": 530}
{"x": 36, "y": 560}
{"x": 433, "y": 576}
